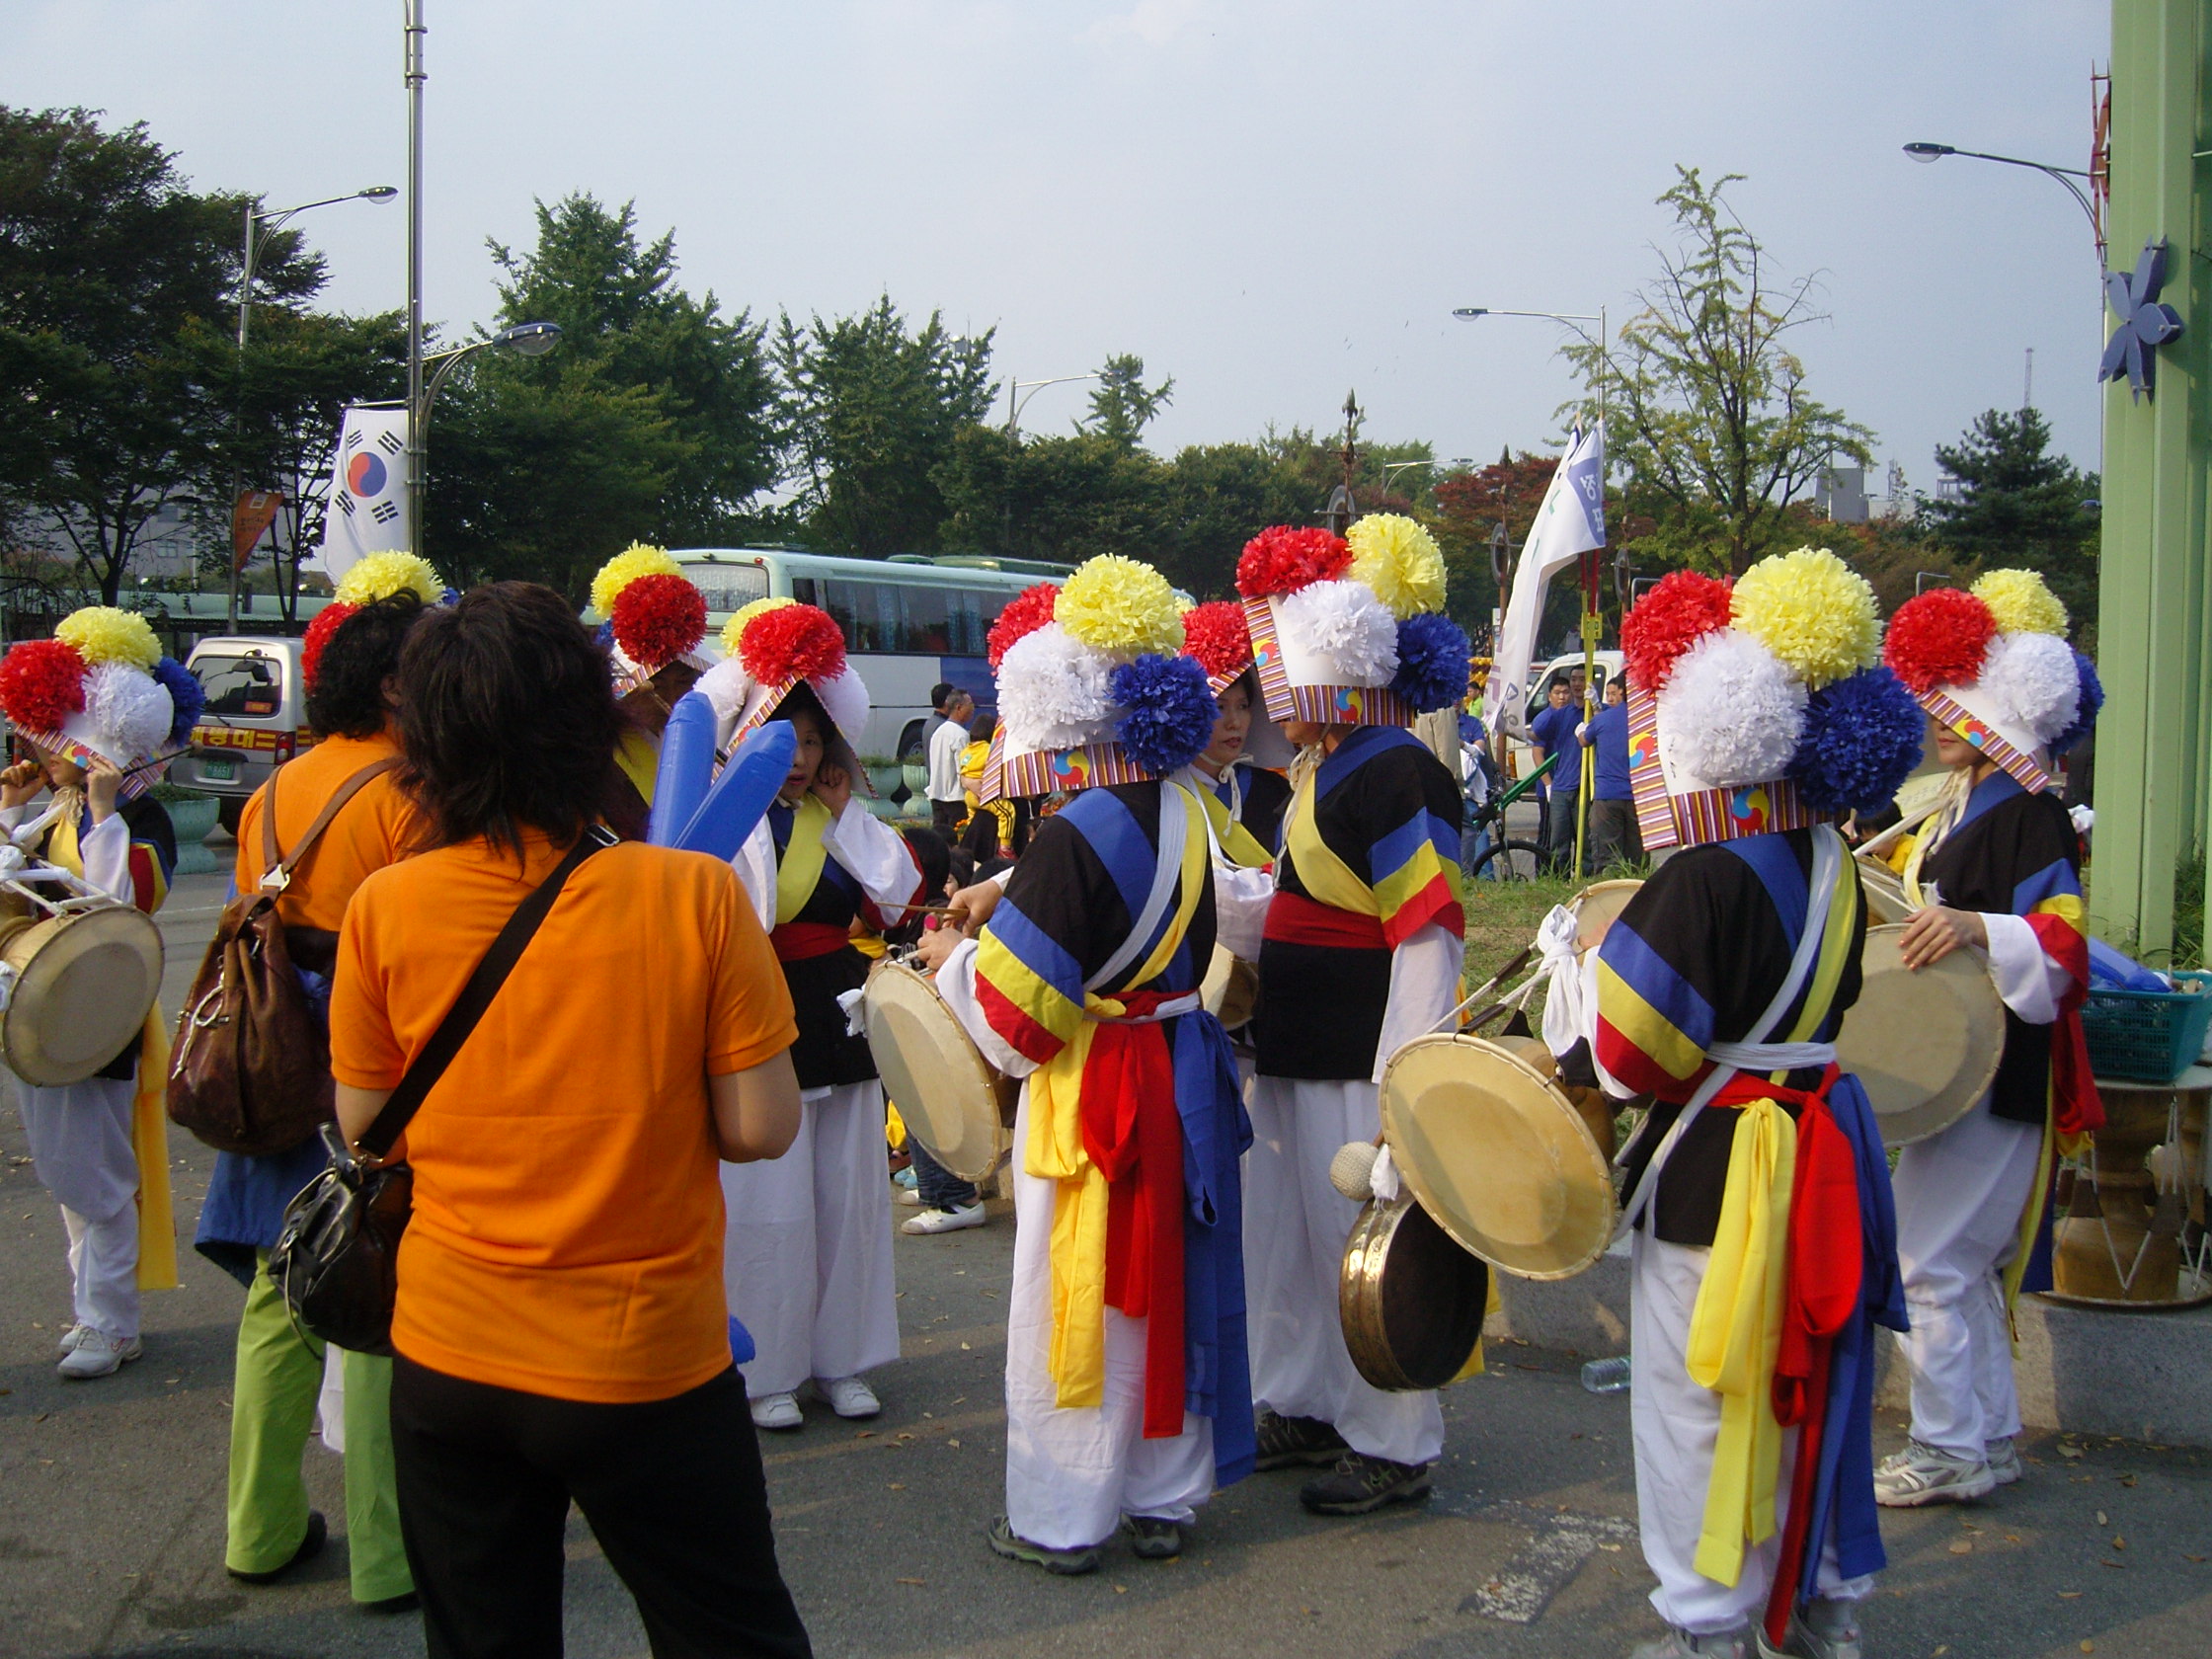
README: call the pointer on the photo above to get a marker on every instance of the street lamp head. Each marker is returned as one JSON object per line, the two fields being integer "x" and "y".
{"x": 530, "y": 340}
{"x": 1923, "y": 151}
{"x": 379, "y": 193}
{"x": 1470, "y": 312}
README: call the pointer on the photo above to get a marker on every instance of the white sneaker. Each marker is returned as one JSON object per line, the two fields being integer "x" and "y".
{"x": 778, "y": 1411}
{"x": 1821, "y": 1629}
{"x": 1920, "y": 1475}
{"x": 2004, "y": 1460}
{"x": 1681, "y": 1644}
{"x": 97, "y": 1353}
{"x": 849, "y": 1397}
{"x": 70, "y": 1338}
{"x": 945, "y": 1220}
{"x": 906, "y": 1195}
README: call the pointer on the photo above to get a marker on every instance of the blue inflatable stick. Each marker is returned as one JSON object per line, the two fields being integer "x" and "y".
{"x": 686, "y": 768}
{"x": 742, "y": 795}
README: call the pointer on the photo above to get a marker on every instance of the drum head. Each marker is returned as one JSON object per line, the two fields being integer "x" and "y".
{"x": 1598, "y": 906}
{"x": 1924, "y": 1045}
{"x": 1497, "y": 1156}
{"x": 932, "y": 1070}
{"x": 84, "y": 982}
{"x": 1230, "y": 990}
{"x": 1885, "y": 894}
{"x": 1410, "y": 1299}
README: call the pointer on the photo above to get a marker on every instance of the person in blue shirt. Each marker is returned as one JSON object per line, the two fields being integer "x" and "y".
{"x": 1612, "y": 836}
{"x": 1554, "y": 732}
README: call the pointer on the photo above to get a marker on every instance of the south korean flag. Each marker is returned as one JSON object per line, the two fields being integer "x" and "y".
{"x": 367, "y": 504}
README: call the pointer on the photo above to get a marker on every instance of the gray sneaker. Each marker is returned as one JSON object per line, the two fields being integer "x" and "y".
{"x": 1681, "y": 1644}
{"x": 1065, "y": 1563}
{"x": 97, "y": 1353}
{"x": 1818, "y": 1631}
{"x": 2003, "y": 1458}
{"x": 1920, "y": 1475}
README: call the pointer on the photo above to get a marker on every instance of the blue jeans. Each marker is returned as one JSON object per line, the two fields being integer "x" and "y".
{"x": 939, "y": 1188}
{"x": 1474, "y": 844}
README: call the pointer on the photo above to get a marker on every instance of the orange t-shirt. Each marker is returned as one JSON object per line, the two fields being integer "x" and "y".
{"x": 371, "y": 831}
{"x": 567, "y": 1236}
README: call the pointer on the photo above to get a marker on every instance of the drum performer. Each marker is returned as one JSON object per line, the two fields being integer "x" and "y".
{"x": 1997, "y": 867}
{"x": 1762, "y": 1246}
{"x": 94, "y": 702}
{"x": 1361, "y": 951}
{"x": 655, "y": 619}
{"x": 1127, "y": 1398}
{"x": 808, "y": 1239}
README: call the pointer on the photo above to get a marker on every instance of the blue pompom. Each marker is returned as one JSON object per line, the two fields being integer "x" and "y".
{"x": 1433, "y": 653}
{"x": 605, "y": 636}
{"x": 1171, "y": 712}
{"x": 1861, "y": 740}
{"x": 184, "y": 696}
{"x": 2084, "y": 712}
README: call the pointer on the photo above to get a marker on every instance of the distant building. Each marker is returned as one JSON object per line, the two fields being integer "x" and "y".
{"x": 1840, "y": 495}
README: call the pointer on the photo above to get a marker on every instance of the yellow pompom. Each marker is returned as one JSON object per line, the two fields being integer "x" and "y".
{"x": 1122, "y": 607}
{"x": 734, "y": 629}
{"x": 636, "y": 559}
{"x": 2022, "y": 602}
{"x": 1399, "y": 560}
{"x": 1813, "y": 611}
{"x": 104, "y": 634}
{"x": 378, "y": 576}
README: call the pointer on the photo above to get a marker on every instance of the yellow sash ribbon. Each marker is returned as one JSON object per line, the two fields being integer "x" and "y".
{"x": 1326, "y": 878}
{"x": 640, "y": 760}
{"x": 799, "y": 868}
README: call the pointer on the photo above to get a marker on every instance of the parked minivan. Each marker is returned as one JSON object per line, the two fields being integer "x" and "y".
{"x": 255, "y": 720}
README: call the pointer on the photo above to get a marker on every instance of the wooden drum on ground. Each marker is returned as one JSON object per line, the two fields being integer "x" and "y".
{"x": 954, "y": 1103}
{"x": 2131, "y": 1230}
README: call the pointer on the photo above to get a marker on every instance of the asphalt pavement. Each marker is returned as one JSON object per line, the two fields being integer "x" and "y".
{"x": 112, "y": 1508}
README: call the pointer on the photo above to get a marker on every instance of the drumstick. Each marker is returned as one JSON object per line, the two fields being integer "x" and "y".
{"x": 1888, "y": 838}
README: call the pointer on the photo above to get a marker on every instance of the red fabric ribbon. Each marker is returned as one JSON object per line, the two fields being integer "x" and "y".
{"x": 797, "y": 941}
{"x": 1295, "y": 919}
{"x": 1133, "y": 1134}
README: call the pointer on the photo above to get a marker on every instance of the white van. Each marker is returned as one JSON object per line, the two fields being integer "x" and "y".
{"x": 256, "y": 718}
{"x": 1520, "y": 755}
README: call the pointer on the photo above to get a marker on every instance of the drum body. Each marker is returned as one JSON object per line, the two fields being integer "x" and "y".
{"x": 1411, "y": 1300}
{"x": 2135, "y": 1204}
{"x": 1598, "y": 906}
{"x": 84, "y": 977}
{"x": 1924, "y": 1043}
{"x": 1230, "y": 990}
{"x": 1887, "y": 903}
{"x": 954, "y": 1103}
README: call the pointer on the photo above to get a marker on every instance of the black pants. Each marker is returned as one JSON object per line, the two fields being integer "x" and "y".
{"x": 673, "y": 1489}
{"x": 1614, "y": 837}
{"x": 945, "y": 817}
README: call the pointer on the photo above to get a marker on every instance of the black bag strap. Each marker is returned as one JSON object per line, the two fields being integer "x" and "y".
{"x": 476, "y": 996}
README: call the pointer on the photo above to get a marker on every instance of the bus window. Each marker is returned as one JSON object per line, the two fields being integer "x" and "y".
{"x": 922, "y": 613}
{"x": 866, "y": 611}
{"x": 801, "y": 589}
{"x": 729, "y": 587}
{"x": 968, "y": 616}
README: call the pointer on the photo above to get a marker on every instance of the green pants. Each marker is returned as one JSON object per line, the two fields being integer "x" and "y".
{"x": 279, "y": 1376}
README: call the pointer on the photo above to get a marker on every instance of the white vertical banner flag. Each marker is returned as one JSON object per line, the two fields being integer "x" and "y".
{"x": 367, "y": 511}
{"x": 1570, "y": 522}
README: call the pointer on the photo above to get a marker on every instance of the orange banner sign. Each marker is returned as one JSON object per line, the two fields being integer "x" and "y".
{"x": 250, "y": 521}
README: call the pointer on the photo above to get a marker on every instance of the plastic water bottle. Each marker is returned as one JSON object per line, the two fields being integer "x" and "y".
{"x": 1607, "y": 1377}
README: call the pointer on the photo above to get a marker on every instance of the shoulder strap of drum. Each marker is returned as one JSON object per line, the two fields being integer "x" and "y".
{"x": 276, "y": 871}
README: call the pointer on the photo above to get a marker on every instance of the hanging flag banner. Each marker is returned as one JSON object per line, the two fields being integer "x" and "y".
{"x": 367, "y": 511}
{"x": 250, "y": 517}
{"x": 1570, "y": 522}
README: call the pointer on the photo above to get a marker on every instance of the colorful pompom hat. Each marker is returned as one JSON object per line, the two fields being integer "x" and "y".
{"x": 376, "y": 577}
{"x": 1762, "y": 706}
{"x": 775, "y": 645}
{"x": 1350, "y": 630}
{"x": 1093, "y": 687}
{"x": 102, "y": 686}
{"x": 652, "y": 616}
{"x": 1992, "y": 663}
{"x": 1219, "y": 637}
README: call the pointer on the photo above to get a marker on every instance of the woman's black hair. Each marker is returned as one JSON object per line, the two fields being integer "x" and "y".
{"x": 346, "y": 699}
{"x": 507, "y": 718}
{"x": 836, "y": 752}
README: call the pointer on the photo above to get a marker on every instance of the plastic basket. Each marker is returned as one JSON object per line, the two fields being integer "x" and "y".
{"x": 2148, "y": 1035}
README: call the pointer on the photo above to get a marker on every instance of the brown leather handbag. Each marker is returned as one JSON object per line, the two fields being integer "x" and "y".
{"x": 249, "y": 1069}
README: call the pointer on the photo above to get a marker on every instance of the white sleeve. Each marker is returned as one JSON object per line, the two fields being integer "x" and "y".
{"x": 107, "y": 857}
{"x": 954, "y": 981}
{"x": 755, "y": 864}
{"x": 1001, "y": 880}
{"x": 1240, "y": 900}
{"x": 11, "y": 818}
{"x": 2028, "y": 981}
{"x": 1424, "y": 983}
{"x": 876, "y": 856}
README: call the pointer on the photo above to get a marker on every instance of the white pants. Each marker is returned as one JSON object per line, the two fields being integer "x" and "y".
{"x": 1675, "y": 1424}
{"x": 80, "y": 1145}
{"x": 1072, "y": 1473}
{"x": 1959, "y": 1199}
{"x": 1295, "y": 1227}
{"x": 104, "y": 1266}
{"x": 805, "y": 1249}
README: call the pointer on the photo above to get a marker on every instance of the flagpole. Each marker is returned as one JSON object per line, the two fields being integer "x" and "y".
{"x": 1592, "y": 623}
{"x": 416, "y": 76}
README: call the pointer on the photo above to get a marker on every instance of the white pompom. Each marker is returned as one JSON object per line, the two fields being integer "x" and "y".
{"x": 1353, "y": 1167}
{"x": 1731, "y": 712}
{"x": 2032, "y": 678}
{"x": 1054, "y": 692}
{"x": 1343, "y": 630}
{"x": 128, "y": 712}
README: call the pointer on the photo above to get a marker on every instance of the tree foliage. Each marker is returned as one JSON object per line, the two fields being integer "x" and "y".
{"x": 1122, "y": 406}
{"x": 2020, "y": 505}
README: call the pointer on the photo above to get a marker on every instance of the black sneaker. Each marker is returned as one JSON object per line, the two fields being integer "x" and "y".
{"x": 1359, "y": 1484}
{"x": 1306, "y": 1442}
{"x": 1069, "y": 1563}
{"x": 310, "y": 1547}
{"x": 1151, "y": 1538}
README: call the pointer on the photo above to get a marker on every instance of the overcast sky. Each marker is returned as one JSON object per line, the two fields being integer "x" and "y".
{"x": 1272, "y": 201}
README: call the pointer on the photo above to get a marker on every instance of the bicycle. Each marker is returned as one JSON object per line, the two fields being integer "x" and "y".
{"x": 1508, "y": 858}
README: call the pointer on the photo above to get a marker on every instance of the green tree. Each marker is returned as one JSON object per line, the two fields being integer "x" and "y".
{"x": 873, "y": 412}
{"x": 1219, "y": 497}
{"x": 1051, "y": 498}
{"x": 1709, "y": 409}
{"x": 1122, "y": 406}
{"x": 2020, "y": 505}
{"x": 108, "y": 263}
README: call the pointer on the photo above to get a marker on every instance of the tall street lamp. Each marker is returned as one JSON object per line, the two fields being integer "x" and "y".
{"x": 261, "y": 224}
{"x": 1924, "y": 152}
{"x": 524, "y": 340}
{"x": 1015, "y": 408}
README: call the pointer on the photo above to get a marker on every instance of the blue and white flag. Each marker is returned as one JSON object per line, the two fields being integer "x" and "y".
{"x": 368, "y": 507}
{"x": 1571, "y": 522}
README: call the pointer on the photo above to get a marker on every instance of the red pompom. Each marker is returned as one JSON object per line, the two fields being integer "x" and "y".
{"x": 319, "y": 631}
{"x": 1026, "y": 612}
{"x": 658, "y": 618}
{"x": 792, "y": 638}
{"x": 42, "y": 684}
{"x": 1939, "y": 639}
{"x": 1679, "y": 611}
{"x": 1284, "y": 558}
{"x": 1217, "y": 636}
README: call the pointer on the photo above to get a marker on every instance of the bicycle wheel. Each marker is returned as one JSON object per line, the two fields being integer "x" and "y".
{"x": 1510, "y": 861}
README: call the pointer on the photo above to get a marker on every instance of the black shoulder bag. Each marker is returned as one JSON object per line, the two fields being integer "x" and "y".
{"x": 336, "y": 1258}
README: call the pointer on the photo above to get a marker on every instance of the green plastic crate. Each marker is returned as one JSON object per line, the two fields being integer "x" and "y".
{"x": 2148, "y": 1035}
